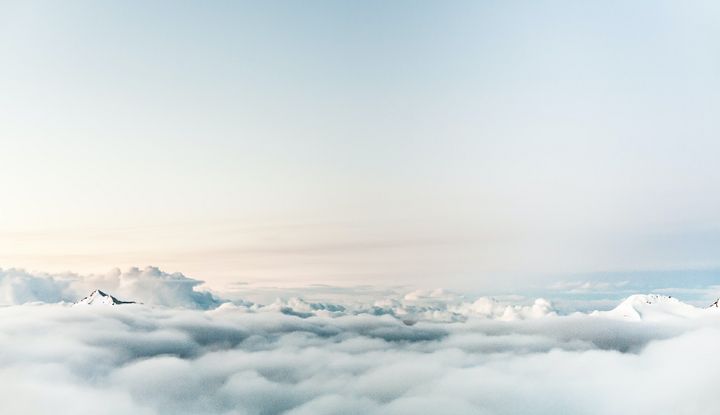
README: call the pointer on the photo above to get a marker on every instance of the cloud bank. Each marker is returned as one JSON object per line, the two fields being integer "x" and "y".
{"x": 152, "y": 286}
{"x": 144, "y": 360}
{"x": 149, "y": 285}
{"x": 186, "y": 351}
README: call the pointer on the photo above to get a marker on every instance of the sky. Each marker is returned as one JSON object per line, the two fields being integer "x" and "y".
{"x": 474, "y": 144}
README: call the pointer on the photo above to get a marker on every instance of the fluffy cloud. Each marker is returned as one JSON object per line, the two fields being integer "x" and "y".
{"x": 233, "y": 360}
{"x": 149, "y": 285}
{"x": 154, "y": 287}
{"x": 186, "y": 351}
{"x": 408, "y": 308}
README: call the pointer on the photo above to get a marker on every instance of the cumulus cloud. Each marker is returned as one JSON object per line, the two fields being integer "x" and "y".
{"x": 152, "y": 286}
{"x": 149, "y": 285}
{"x": 187, "y": 351}
{"x": 155, "y": 287}
{"x": 18, "y": 287}
{"x": 235, "y": 360}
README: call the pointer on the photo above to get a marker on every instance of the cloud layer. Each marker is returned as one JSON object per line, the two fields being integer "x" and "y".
{"x": 186, "y": 351}
{"x": 151, "y": 286}
{"x": 229, "y": 360}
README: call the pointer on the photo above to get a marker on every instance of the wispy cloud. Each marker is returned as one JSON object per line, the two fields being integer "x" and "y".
{"x": 589, "y": 286}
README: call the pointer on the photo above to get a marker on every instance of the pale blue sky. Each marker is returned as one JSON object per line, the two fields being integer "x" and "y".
{"x": 435, "y": 143}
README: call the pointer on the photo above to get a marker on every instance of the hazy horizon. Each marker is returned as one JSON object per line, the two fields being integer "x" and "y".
{"x": 468, "y": 144}
{"x": 368, "y": 207}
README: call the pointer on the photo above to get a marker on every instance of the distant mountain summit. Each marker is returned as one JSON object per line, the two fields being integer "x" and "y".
{"x": 653, "y": 307}
{"x": 98, "y": 297}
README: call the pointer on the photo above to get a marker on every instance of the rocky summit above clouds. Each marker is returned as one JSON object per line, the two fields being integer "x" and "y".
{"x": 99, "y": 298}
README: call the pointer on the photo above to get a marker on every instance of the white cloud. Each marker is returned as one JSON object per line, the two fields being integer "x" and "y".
{"x": 155, "y": 287}
{"x": 392, "y": 352}
{"x": 236, "y": 360}
{"x": 19, "y": 287}
{"x": 149, "y": 285}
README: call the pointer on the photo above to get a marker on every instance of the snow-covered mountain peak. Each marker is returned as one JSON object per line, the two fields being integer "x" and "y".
{"x": 653, "y": 307}
{"x": 637, "y": 299}
{"x": 98, "y": 297}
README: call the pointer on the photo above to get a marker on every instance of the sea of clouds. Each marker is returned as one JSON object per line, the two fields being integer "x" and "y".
{"x": 189, "y": 351}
